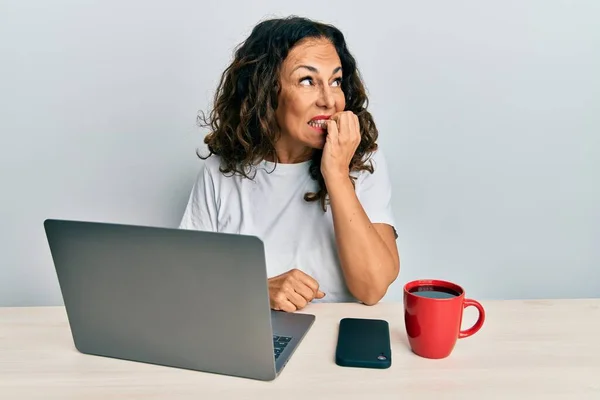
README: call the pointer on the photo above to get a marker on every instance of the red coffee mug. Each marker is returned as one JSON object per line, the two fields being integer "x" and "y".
{"x": 433, "y": 311}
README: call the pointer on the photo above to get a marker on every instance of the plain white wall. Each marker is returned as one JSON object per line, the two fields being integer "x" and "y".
{"x": 489, "y": 114}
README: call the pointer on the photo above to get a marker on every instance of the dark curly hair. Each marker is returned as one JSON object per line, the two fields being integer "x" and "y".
{"x": 242, "y": 123}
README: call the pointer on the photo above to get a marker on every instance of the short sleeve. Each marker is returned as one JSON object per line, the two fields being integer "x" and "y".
{"x": 374, "y": 191}
{"x": 201, "y": 210}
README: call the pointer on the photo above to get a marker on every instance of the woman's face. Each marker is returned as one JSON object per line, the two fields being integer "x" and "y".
{"x": 311, "y": 91}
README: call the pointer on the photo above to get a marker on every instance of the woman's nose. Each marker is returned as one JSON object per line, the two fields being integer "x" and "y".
{"x": 326, "y": 98}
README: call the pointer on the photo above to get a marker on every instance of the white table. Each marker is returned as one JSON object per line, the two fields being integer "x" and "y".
{"x": 526, "y": 350}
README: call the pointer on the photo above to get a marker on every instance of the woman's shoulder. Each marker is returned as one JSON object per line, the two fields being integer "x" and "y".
{"x": 217, "y": 169}
{"x": 208, "y": 172}
{"x": 375, "y": 159}
{"x": 212, "y": 164}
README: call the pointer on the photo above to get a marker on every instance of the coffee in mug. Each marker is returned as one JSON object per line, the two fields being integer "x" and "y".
{"x": 434, "y": 292}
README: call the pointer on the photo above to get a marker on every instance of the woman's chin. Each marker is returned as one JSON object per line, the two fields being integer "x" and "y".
{"x": 319, "y": 142}
{"x": 319, "y": 145}
{"x": 314, "y": 143}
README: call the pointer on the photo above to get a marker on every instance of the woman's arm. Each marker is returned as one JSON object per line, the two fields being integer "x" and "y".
{"x": 367, "y": 251}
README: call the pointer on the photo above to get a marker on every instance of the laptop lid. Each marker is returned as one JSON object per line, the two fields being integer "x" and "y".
{"x": 181, "y": 298}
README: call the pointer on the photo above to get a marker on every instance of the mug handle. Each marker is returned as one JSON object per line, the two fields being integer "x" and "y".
{"x": 477, "y": 326}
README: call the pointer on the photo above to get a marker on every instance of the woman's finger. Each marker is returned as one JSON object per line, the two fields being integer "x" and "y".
{"x": 297, "y": 300}
{"x": 283, "y": 304}
{"x": 305, "y": 291}
{"x": 332, "y": 131}
{"x": 356, "y": 127}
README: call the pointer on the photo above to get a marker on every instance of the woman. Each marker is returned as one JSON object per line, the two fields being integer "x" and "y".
{"x": 294, "y": 160}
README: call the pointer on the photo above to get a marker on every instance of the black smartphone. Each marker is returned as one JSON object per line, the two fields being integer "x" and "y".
{"x": 363, "y": 343}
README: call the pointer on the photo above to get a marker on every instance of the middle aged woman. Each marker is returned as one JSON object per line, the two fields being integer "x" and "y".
{"x": 294, "y": 160}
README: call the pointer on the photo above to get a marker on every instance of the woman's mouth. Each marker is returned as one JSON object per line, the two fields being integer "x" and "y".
{"x": 319, "y": 124}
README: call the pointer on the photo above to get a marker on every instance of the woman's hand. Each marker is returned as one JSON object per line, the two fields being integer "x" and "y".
{"x": 293, "y": 290}
{"x": 343, "y": 138}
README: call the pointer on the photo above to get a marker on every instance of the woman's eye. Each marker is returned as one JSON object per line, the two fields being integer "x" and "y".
{"x": 308, "y": 81}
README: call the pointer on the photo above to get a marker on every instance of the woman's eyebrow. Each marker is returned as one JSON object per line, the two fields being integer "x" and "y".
{"x": 313, "y": 69}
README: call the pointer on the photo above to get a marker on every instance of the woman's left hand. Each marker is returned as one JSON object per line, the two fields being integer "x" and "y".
{"x": 343, "y": 138}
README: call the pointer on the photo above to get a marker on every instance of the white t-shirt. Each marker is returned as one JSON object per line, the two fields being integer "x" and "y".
{"x": 296, "y": 233}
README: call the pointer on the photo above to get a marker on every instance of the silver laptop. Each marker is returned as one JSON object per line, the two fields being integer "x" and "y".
{"x": 173, "y": 297}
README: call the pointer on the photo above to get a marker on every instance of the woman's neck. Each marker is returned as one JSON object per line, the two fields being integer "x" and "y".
{"x": 287, "y": 156}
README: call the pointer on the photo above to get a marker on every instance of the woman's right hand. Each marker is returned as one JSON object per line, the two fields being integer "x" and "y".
{"x": 293, "y": 290}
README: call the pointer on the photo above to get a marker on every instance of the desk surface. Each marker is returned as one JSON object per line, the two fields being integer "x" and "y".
{"x": 526, "y": 349}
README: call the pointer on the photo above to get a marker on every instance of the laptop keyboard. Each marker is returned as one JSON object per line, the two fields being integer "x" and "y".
{"x": 280, "y": 343}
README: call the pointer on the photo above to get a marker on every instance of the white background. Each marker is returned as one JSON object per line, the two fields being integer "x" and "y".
{"x": 489, "y": 113}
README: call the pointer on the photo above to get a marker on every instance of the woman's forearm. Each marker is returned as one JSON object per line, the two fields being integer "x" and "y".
{"x": 368, "y": 264}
